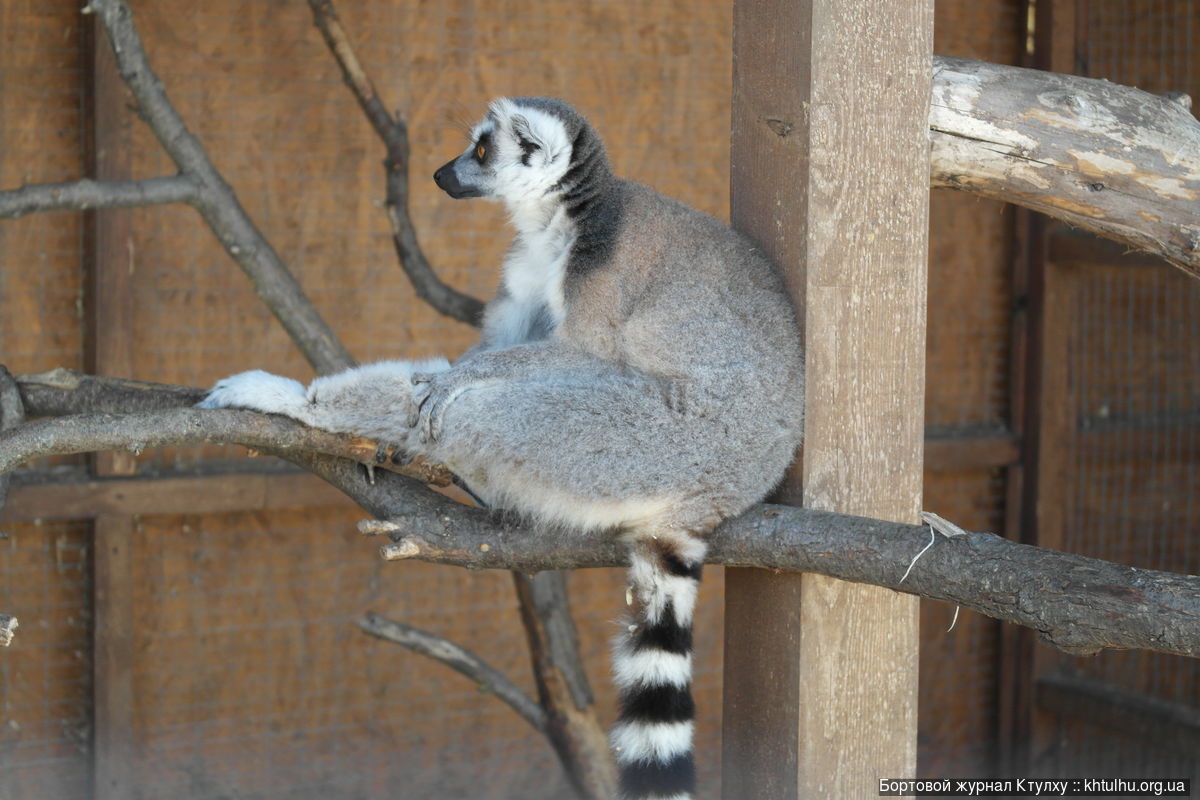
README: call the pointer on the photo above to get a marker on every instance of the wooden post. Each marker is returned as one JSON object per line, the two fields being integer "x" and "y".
{"x": 830, "y": 176}
{"x": 110, "y": 352}
{"x": 112, "y": 669}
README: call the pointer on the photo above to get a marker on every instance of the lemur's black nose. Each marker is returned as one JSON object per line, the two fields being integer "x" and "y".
{"x": 437, "y": 176}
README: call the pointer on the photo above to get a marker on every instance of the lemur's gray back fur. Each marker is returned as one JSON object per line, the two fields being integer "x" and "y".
{"x": 639, "y": 374}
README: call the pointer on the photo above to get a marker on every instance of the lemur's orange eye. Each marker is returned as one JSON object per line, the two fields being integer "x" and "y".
{"x": 480, "y": 151}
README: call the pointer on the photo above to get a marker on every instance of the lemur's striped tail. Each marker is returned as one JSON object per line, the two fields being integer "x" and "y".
{"x": 652, "y": 740}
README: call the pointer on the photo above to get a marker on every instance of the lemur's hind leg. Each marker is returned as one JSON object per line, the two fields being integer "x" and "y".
{"x": 374, "y": 400}
{"x": 573, "y": 447}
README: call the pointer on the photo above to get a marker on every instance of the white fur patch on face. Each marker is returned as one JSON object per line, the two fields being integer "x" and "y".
{"x": 524, "y": 185}
{"x": 485, "y": 125}
{"x": 655, "y": 742}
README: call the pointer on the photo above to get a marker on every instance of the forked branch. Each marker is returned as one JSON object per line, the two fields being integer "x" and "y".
{"x": 215, "y": 199}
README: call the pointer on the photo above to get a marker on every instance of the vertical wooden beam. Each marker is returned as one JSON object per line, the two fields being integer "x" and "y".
{"x": 109, "y": 302}
{"x": 110, "y": 245}
{"x": 112, "y": 666}
{"x": 830, "y": 176}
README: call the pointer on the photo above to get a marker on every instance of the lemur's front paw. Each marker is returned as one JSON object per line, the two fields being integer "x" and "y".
{"x": 258, "y": 391}
{"x": 433, "y": 392}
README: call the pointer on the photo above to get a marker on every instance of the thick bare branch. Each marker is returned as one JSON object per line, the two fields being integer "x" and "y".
{"x": 1078, "y": 604}
{"x": 460, "y": 660}
{"x": 1111, "y": 159}
{"x": 215, "y": 200}
{"x": 60, "y": 392}
{"x": 166, "y": 418}
{"x": 86, "y": 193}
{"x": 394, "y": 134}
{"x": 563, "y": 691}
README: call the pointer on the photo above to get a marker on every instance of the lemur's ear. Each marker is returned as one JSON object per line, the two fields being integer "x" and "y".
{"x": 527, "y": 138}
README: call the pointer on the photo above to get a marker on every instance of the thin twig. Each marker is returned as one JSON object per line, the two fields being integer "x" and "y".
{"x": 459, "y": 659}
{"x": 216, "y": 201}
{"x": 394, "y": 133}
{"x": 87, "y": 193}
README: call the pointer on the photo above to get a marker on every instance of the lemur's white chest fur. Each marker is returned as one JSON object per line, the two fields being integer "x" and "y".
{"x": 534, "y": 272}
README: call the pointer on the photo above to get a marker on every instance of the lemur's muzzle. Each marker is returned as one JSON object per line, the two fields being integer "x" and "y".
{"x": 447, "y": 180}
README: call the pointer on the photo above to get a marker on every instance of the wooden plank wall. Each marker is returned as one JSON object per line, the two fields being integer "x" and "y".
{"x": 249, "y": 678}
{"x": 1130, "y": 436}
{"x": 45, "y": 683}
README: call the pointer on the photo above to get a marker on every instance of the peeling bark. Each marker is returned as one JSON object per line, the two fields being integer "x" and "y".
{"x": 1110, "y": 159}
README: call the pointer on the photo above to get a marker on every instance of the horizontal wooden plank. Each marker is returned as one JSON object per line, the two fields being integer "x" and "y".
{"x": 1163, "y": 437}
{"x": 192, "y": 495}
{"x": 1151, "y": 721}
{"x": 949, "y": 452}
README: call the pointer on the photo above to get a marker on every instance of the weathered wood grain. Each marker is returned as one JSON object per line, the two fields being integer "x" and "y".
{"x": 836, "y": 193}
{"x": 1111, "y": 159}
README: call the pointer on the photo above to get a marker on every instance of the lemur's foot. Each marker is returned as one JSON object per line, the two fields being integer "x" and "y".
{"x": 433, "y": 392}
{"x": 258, "y": 391}
{"x": 392, "y": 453}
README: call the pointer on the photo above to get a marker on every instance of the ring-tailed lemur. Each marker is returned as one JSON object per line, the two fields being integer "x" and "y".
{"x": 639, "y": 371}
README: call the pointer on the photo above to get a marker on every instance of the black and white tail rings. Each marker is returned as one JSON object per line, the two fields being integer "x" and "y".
{"x": 652, "y": 739}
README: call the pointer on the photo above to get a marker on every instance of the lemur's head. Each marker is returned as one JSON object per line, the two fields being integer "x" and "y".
{"x": 525, "y": 149}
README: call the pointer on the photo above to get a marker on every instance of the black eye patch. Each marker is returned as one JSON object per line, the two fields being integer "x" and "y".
{"x": 482, "y": 146}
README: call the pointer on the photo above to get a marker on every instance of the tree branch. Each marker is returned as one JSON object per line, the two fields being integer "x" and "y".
{"x": 60, "y": 392}
{"x": 1110, "y": 159}
{"x": 1078, "y": 604}
{"x": 215, "y": 199}
{"x": 571, "y": 725}
{"x": 394, "y": 134}
{"x": 460, "y": 660}
{"x": 165, "y": 417}
{"x": 563, "y": 690}
{"x": 87, "y": 193}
